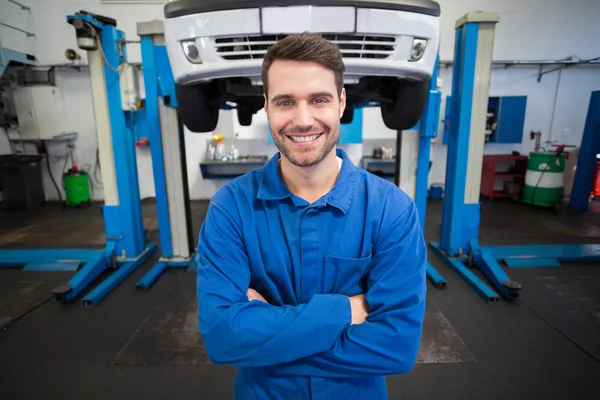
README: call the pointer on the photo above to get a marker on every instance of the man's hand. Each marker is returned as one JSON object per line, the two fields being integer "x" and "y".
{"x": 254, "y": 295}
{"x": 360, "y": 309}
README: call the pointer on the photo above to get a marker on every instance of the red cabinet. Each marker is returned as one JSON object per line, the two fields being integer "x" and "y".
{"x": 505, "y": 170}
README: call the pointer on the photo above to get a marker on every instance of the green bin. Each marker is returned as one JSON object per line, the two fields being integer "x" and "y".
{"x": 77, "y": 188}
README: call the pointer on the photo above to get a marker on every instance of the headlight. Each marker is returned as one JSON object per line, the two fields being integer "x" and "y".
{"x": 191, "y": 51}
{"x": 418, "y": 49}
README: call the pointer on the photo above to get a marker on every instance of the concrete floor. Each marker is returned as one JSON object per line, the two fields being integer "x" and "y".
{"x": 143, "y": 344}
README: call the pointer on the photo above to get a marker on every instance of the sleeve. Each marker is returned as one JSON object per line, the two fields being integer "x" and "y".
{"x": 252, "y": 333}
{"x": 388, "y": 342}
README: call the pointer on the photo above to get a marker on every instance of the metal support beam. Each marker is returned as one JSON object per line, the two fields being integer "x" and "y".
{"x": 428, "y": 128}
{"x": 130, "y": 210}
{"x": 470, "y": 88}
{"x": 495, "y": 274}
{"x": 435, "y": 277}
{"x": 458, "y": 139}
{"x": 152, "y": 125}
{"x": 168, "y": 157}
{"x": 90, "y": 271}
{"x": 19, "y": 258}
{"x": 23, "y": 6}
{"x": 560, "y": 252}
{"x": 157, "y": 270}
{"x": 457, "y": 264}
{"x": 29, "y": 34}
{"x": 103, "y": 289}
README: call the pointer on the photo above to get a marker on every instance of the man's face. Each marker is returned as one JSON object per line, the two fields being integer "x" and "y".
{"x": 304, "y": 110}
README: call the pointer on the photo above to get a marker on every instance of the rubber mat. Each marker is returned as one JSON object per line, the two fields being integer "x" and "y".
{"x": 169, "y": 336}
{"x": 571, "y": 304}
{"x": 22, "y": 292}
{"x": 440, "y": 344}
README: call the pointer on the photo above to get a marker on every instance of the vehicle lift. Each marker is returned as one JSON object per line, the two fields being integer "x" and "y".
{"x": 116, "y": 126}
{"x": 459, "y": 245}
{"x": 126, "y": 247}
{"x": 156, "y": 120}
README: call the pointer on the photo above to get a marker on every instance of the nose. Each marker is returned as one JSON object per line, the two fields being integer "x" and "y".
{"x": 303, "y": 115}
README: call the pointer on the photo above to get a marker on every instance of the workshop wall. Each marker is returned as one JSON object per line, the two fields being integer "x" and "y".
{"x": 534, "y": 29}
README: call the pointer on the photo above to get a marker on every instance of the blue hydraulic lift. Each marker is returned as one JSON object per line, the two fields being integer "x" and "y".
{"x": 126, "y": 247}
{"x": 428, "y": 128}
{"x": 459, "y": 246}
{"x": 166, "y": 146}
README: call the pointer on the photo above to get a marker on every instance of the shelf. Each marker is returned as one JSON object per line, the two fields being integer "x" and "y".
{"x": 508, "y": 175}
{"x": 496, "y": 194}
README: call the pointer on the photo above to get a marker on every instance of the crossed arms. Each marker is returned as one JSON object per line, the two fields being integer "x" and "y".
{"x": 330, "y": 336}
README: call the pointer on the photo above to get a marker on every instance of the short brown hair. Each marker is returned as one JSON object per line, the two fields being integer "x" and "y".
{"x": 310, "y": 47}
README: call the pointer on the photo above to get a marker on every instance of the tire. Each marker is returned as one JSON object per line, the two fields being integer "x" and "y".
{"x": 193, "y": 105}
{"x": 244, "y": 117}
{"x": 348, "y": 115}
{"x": 409, "y": 105}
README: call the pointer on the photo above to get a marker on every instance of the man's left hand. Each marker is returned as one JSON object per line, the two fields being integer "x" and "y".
{"x": 254, "y": 295}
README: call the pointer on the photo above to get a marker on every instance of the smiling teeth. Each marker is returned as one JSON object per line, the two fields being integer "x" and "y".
{"x": 305, "y": 138}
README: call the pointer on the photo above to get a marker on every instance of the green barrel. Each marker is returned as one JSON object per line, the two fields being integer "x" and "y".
{"x": 544, "y": 179}
{"x": 77, "y": 188}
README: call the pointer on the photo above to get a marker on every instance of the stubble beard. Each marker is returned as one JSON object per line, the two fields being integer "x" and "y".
{"x": 310, "y": 156}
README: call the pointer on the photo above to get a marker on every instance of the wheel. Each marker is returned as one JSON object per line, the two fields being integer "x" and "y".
{"x": 408, "y": 107}
{"x": 197, "y": 114}
{"x": 244, "y": 117}
{"x": 348, "y": 115}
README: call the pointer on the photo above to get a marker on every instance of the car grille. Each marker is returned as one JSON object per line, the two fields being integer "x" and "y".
{"x": 351, "y": 46}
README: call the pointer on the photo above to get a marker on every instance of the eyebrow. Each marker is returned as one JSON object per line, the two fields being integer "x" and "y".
{"x": 289, "y": 96}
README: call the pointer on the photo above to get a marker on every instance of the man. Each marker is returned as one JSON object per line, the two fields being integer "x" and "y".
{"x": 311, "y": 275}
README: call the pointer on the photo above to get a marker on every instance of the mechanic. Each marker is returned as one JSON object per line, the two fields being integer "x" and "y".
{"x": 311, "y": 271}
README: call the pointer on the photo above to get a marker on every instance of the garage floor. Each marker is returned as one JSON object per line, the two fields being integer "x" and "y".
{"x": 145, "y": 344}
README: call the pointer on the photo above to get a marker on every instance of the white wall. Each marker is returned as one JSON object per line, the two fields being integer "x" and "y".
{"x": 528, "y": 29}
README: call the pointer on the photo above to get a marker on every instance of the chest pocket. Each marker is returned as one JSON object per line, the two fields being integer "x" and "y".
{"x": 345, "y": 275}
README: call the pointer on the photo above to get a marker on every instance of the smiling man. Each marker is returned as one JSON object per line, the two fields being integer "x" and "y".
{"x": 311, "y": 271}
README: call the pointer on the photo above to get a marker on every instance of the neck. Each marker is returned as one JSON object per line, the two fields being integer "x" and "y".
{"x": 310, "y": 183}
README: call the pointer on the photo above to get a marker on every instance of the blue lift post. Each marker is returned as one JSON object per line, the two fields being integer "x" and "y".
{"x": 459, "y": 246}
{"x": 125, "y": 248}
{"x": 586, "y": 164}
{"x": 160, "y": 85}
{"x": 428, "y": 128}
{"x": 460, "y": 219}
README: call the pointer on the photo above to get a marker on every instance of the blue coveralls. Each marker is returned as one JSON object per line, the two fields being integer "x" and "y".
{"x": 306, "y": 259}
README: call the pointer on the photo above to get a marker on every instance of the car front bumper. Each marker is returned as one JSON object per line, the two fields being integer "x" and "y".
{"x": 232, "y": 43}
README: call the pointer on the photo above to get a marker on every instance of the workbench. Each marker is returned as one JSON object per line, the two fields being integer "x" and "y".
{"x": 230, "y": 169}
{"x": 383, "y": 168}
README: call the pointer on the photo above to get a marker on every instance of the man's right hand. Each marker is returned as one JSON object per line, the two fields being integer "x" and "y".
{"x": 360, "y": 309}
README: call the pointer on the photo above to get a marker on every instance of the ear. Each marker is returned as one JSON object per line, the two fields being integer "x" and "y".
{"x": 342, "y": 101}
{"x": 266, "y": 106}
